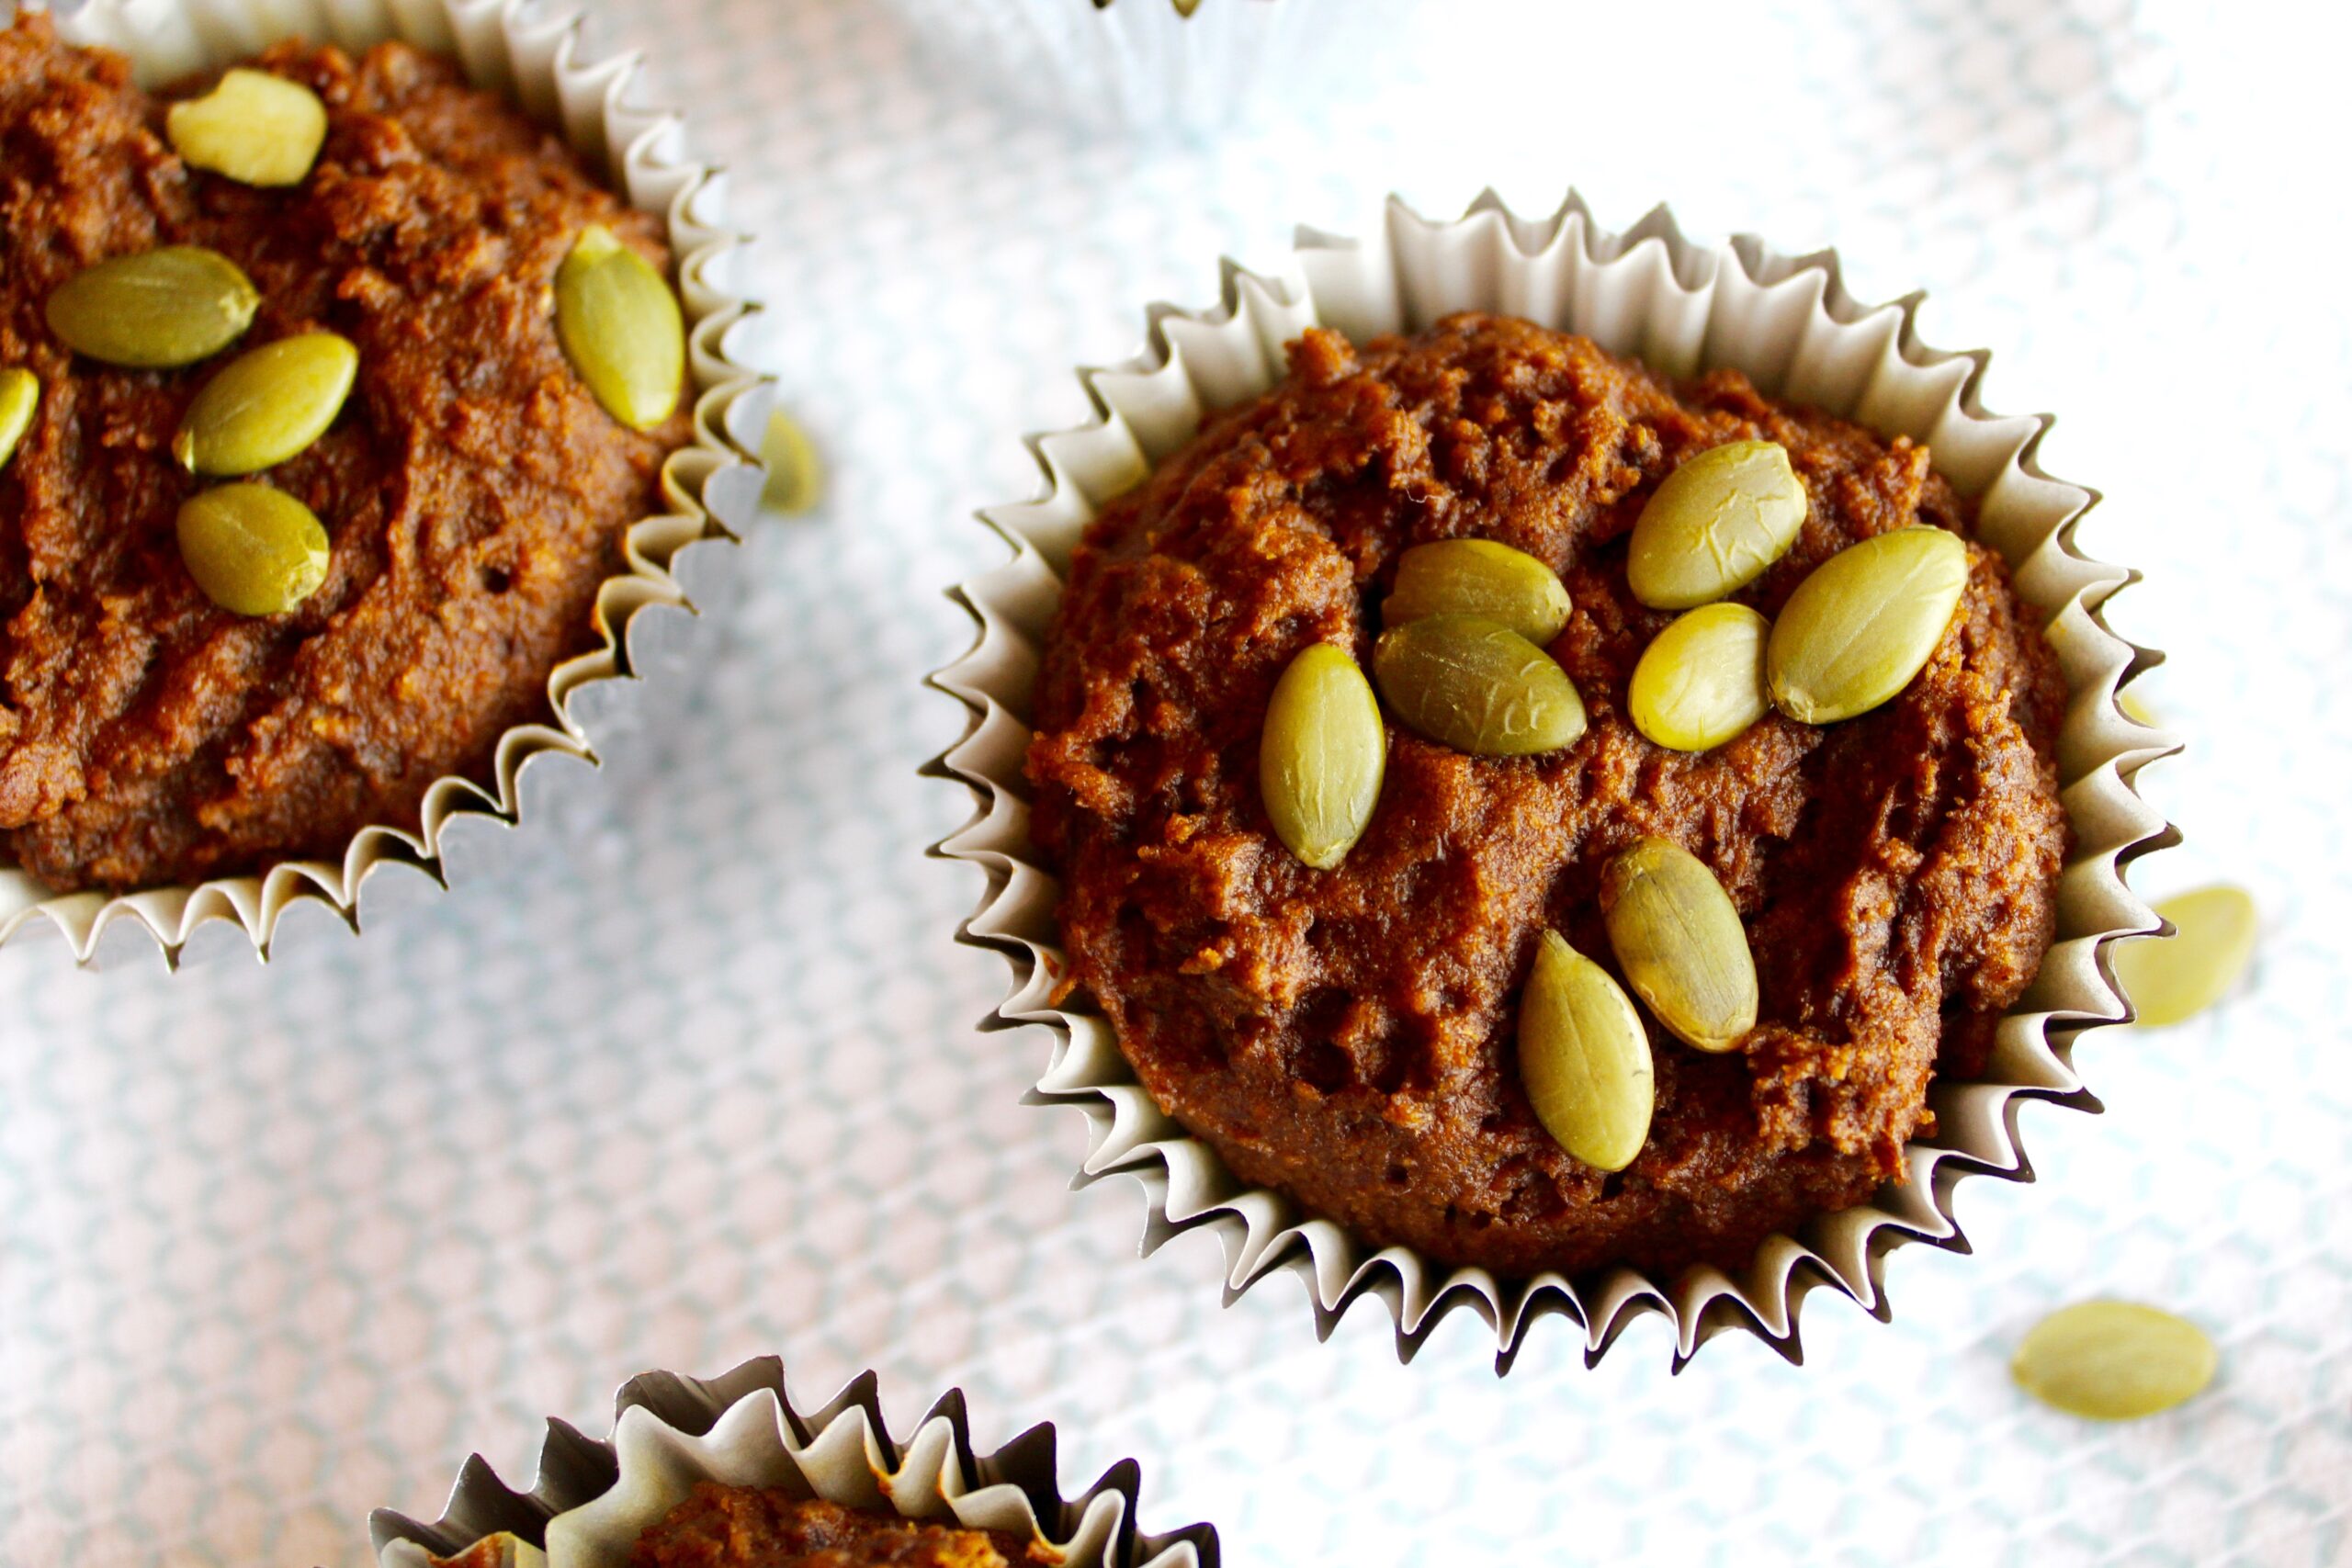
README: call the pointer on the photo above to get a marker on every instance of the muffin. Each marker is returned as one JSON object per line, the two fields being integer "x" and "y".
{"x": 727, "y": 1473}
{"x": 473, "y": 492}
{"x": 1582, "y": 945}
{"x": 1349, "y": 1035}
{"x": 249, "y": 786}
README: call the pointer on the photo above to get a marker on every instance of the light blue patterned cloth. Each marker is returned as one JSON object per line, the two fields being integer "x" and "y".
{"x": 697, "y": 1079}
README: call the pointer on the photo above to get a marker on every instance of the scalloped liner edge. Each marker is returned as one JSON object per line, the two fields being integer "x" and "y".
{"x": 641, "y": 153}
{"x": 574, "y": 1470}
{"x": 1187, "y": 1188}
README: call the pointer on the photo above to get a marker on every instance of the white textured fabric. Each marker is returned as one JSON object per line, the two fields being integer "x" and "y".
{"x": 698, "y": 1078}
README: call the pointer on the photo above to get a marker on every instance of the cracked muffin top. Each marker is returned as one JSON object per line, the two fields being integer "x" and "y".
{"x": 1349, "y": 1034}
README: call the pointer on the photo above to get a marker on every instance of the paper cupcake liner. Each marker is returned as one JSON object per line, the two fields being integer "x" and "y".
{"x": 711, "y": 485}
{"x": 1650, "y": 292}
{"x": 1137, "y": 65}
{"x": 592, "y": 1497}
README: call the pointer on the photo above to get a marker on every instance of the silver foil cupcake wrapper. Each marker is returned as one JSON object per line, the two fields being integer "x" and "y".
{"x": 1683, "y": 307}
{"x": 593, "y": 1496}
{"x": 710, "y": 487}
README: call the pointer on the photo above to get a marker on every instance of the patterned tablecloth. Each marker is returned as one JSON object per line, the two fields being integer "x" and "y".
{"x": 698, "y": 1078}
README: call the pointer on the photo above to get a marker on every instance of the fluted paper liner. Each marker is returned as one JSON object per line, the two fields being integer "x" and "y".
{"x": 1682, "y": 308}
{"x": 711, "y": 485}
{"x": 592, "y": 1497}
{"x": 1140, "y": 66}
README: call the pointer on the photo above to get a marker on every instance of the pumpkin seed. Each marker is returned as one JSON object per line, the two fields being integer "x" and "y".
{"x": 1867, "y": 621}
{"x": 2170, "y": 981}
{"x": 1478, "y": 577}
{"x": 2113, "y": 1360}
{"x": 795, "y": 478}
{"x": 1321, "y": 755}
{"x": 253, "y": 549}
{"x": 1680, "y": 942}
{"x": 1584, "y": 1058}
{"x": 1467, "y": 683}
{"x": 154, "y": 309}
{"x": 253, "y": 128}
{"x": 1701, "y": 680}
{"x": 1714, "y": 525}
{"x": 266, "y": 405}
{"x": 19, "y": 399}
{"x": 622, "y": 328}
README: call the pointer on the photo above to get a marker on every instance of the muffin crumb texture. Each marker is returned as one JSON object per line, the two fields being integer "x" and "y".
{"x": 746, "y": 1527}
{"x": 474, "y": 494}
{"x": 1348, "y": 1035}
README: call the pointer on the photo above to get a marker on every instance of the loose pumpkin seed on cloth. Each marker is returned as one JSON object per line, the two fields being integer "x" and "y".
{"x": 1584, "y": 1058}
{"x": 1679, "y": 938}
{"x": 2114, "y": 1361}
{"x": 154, "y": 309}
{"x": 2171, "y": 980}
{"x": 796, "y": 479}
{"x": 1478, "y": 577}
{"x": 266, "y": 405}
{"x": 622, "y": 328}
{"x": 253, "y": 128}
{"x": 1321, "y": 756}
{"x": 1477, "y": 687}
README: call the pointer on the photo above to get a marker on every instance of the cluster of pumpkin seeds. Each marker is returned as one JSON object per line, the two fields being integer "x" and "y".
{"x": 1584, "y": 1056}
{"x": 1461, "y": 663}
{"x": 255, "y": 549}
{"x": 1854, "y": 634}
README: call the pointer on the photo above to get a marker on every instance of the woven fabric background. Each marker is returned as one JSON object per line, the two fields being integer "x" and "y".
{"x": 698, "y": 1077}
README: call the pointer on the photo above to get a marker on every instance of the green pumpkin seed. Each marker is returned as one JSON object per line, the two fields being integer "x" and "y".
{"x": 253, "y": 128}
{"x": 1321, "y": 755}
{"x": 2170, "y": 980}
{"x": 622, "y": 328}
{"x": 1478, "y": 577}
{"x": 1867, "y": 621}
{"x": 266, "y": 405}
{"x": 19, "y": 399}
{"x": 253, "y": 549}
{"x": 795, "y": 478}
{"x": 1701, "y": 680}
{"x": 1713, "y": 525}
{"x": 156, "y": 309}
{"x": 1584, "y": 1058}
{"x": 2113, "y": 1360}
{"x": 1679, "y": 939}
{"x": 1467, "y": 683}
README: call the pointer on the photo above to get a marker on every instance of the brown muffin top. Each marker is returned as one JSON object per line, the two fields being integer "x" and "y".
{"x": 1349, "y": 1035}
{"x": 473, "y": 492}
{"x": 749, "y": 1527}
